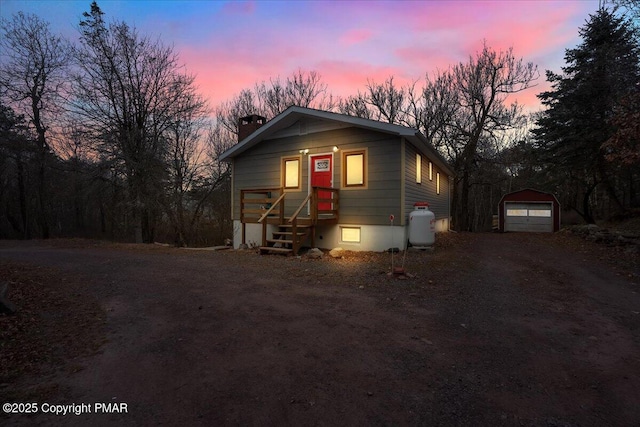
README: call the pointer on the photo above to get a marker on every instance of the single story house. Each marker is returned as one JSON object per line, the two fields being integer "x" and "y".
{"x": 529, "y": 210}
{"x": 323, "y": 179}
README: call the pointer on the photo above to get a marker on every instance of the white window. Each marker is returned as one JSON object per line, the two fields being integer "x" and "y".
{"x": 350, "y": 234}
{"x": 540, "y": 212}
{"x": 418, "y": 168}
{"x": 516, "y": 212}
{"x": 354, "y": 168}
{"x": 291, "y": 173}
{"x": 437, "y": 182}
{"x": 430, "y": 171}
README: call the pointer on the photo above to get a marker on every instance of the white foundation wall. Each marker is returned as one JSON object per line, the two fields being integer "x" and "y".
{"x": 253, "y": 235}
{"x": 374, "y": 238}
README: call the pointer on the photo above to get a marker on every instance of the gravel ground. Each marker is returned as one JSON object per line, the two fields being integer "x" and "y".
{"x": 488, "y": 329}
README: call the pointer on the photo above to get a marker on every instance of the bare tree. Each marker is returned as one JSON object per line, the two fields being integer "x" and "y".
{"x": 185, "y": 156}
{"x": 306, "y": 89}
{"x": 433, "y": 108}
{"x": 388, "y": 101}
{"x": 303, "y": 89}
{"x": 127, "y": 93}
{"x": 219, "y": 175}
{"x": 482, "y": 86}
{"x": 17, "y": 149}
{"x": 381, "y": 101}
{"x": 33, "y": 76}
{"x": 356, "y": 105}
{"x": 241, "y": 105}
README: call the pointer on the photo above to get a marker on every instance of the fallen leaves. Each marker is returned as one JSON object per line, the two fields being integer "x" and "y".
{"x": 55, "y": 323}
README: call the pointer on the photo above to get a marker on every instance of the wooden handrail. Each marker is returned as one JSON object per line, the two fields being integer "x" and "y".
{"x": 278, "y": 200}
{"x": 249, "y": 212}
{"x": 297, "y": 212}
{"x": 253, "y": 210}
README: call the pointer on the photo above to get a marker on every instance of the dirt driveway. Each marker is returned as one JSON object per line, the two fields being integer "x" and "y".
{"x": 512, "y": 329}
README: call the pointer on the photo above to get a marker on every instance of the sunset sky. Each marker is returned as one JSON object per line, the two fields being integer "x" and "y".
{"x": 233, "y": 45}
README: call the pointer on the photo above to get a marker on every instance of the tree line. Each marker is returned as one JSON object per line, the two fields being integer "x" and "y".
{"x": 109, "y": 137}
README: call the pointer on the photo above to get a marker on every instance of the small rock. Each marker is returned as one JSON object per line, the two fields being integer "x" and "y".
{"x": 243, "y": 247}
{"x": 336, "y": 253}
{"x": 369, "y": 393}
{"x": 314, "y": 253}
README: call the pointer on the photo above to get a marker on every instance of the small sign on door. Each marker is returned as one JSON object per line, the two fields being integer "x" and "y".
{"x": 321, "y": 165}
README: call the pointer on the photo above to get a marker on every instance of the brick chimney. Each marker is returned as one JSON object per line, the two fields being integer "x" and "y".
{"x": 249, "y": 124}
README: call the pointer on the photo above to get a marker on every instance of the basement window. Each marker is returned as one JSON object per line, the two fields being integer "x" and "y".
{"x": 350, "y": 234}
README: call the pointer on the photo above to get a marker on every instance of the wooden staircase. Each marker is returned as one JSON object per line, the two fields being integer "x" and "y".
{"x": 262, "y": 206}
{"x": 284, "y": 241}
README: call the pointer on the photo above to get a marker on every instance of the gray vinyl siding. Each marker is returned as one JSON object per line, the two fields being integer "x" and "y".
{"x": 382, "y": 196}
{"x": 426, "y": 191}
{"x": 259, "y": 167}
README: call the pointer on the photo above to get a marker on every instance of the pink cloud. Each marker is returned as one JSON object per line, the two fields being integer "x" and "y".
{"x": 348, "y": 77}
{"x": 355, "y": 36}
{"x": 410, "y": 41}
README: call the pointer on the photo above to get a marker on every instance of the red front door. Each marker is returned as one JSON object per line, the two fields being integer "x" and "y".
{"x": 322, "y": 176}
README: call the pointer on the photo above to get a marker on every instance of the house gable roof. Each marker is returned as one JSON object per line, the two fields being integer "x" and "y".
{"x": 292, "y": 114}
{"x": 530, "y": 195}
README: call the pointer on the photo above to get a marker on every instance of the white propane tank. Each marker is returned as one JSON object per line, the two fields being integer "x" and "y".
{"x": 422, "y": 225}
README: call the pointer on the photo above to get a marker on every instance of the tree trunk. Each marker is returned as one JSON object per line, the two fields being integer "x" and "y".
{"x": 42, "y": 215}
{"x": 463, "y": 217}
{"x": 24, "y": 212}
{"x": 586, "y": 207}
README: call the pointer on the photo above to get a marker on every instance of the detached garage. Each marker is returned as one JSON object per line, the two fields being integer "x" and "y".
{"x": 529, "y": 210}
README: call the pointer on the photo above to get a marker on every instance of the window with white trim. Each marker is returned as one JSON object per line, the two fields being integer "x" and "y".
{"x": 517, "y": 212}
{"x": 437, "y": 182}
{"x": 418, "y": 168}
{"x": 350, "y": 234}
{"x": 545, "y": 213}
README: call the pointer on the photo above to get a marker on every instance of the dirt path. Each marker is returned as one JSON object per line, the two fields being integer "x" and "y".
{"x": 493, "y": 330}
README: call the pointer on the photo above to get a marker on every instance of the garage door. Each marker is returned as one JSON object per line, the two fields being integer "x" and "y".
{"x": 537, "y": 217}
